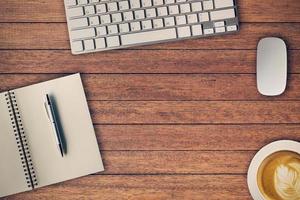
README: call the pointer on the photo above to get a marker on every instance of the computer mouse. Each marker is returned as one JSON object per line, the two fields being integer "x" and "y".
{"x": 271, "y": 71}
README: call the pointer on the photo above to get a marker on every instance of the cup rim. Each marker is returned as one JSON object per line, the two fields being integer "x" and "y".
{"x": 260, "y": 156}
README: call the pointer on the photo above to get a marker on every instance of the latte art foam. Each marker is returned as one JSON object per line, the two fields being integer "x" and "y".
{"x": 287, "y": 181}
{"x": 279, "y": 176}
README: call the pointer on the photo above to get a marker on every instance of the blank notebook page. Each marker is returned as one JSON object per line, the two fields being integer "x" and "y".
{"x": 82, "y": 153}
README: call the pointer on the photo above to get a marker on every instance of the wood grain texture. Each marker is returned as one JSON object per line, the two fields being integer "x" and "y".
{"x": 129, "y": 61}
{"x": 53, "y": 11}
{"x": 162, "y": 187}
{"x": 194, "y": 112}
{"x": 55, "y": 36}
{"x": 192, "y": 137}
{"x": 176, "y": 162}
{"x": 145, "y": 87}
{"x": 179, "y": 120}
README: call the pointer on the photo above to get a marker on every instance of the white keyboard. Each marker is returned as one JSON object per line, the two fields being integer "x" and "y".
{"x": 98, "y": 25}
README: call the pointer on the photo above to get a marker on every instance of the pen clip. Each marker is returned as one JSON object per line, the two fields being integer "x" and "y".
{"x": 47, "y": 112}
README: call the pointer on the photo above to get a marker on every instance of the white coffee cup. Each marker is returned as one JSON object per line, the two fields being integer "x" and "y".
{"x": 261, "y": 155}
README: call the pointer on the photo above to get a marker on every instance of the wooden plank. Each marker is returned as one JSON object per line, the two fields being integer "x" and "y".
{"x": 145, "y": 87}
{"x": 194, "y": 112}
{"x": 192, "y": 137}
{"x": 53, "y": 11}
{"x": 264, "y": 11}
{"x": 176, "y": 162}
{"x": 145, "y": 187}
{"x": 55, "y": 36}
{"x": 129, "y": 61}
{"x": 32, "y": 11}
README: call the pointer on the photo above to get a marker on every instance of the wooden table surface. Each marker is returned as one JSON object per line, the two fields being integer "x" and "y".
{"x": 177, "y": 120}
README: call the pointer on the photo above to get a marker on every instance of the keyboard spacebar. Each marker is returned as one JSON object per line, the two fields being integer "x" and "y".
{"x": 149, "y": 36}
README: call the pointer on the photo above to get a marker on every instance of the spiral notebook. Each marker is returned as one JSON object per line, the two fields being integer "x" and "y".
{"x": 28, "y": 153}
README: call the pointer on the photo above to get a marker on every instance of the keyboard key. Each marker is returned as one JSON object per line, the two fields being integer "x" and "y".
{"x": 169, "y": 21}
{"x": 196, "y": 6}
{"x": 105, "y": 19}
{"x": 146, "y": 24}
{"x": 124, "y": 28}
{"x": 135, "y": 26}
{"x": 127, "y": 16}
{"x": 111, "y": 7}
{"x": 222, "y": 14}
{"x": 139, "y": 14}
{"x": 78, "y": 23}
{"x": 135, "y": 4}
{"x": 149, "y": 36}
{"x": 117, "y": 17}
{"x": 219, "y": 24}
{"x": 208, "y": 31}
{"x": 162, "y": 11}
{"x": 100, "y": 43}
{"x": 146, "y": 3}
{"x": 173, "y": 9}
{"x": 89, "y": 10}
{"x": 89, "y": 45}
{"x": 197, "y": 30}
{"x": 208, "y": 5}
{"x": 180, "y": 1}
{"x": 203, "y": 17}
{"x": 101, "y": 8}
{"x": 71, "y": 2}
{"x": 150, "y": 13}
{"x": 101, "y": 31}
{"x": 232, "y": 28}
{"x": 113, "y": 41}
{"x": 169, "y": 1}
{"x": 112, "y": 29}
{"x": 94, "y": 1}
{"x": 180, "y": 20}
{"x": 220, "y": 29}
{"x": 84, "y": 33}
{"x": 185, "y": 8}
{"x": 94, "y": 20}
{"x": 82, "y": 2}
{"x": 158, "y": 23}
{"x": 75, "y": 12}
{"x": 158, "y": 2}
{"x": 192, "y": 18}
{"x": 223, "y": 3}
{"x": 184, "y": 31}
{"x": 77, "y": 46}
{"x": 123, "y": 5}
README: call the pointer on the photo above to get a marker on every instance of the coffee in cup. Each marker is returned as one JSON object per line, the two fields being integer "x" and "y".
{"x": 278, "y": 176}
{"x": 274, "y": 172}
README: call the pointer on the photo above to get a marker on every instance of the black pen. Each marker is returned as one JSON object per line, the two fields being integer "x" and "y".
{"x": 53, "y": 121}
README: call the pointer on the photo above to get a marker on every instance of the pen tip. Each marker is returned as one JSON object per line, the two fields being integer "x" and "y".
{"x": 61, "y": 150}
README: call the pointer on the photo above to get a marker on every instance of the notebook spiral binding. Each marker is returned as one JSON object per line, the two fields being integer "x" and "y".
{"x": 21, "y": 140}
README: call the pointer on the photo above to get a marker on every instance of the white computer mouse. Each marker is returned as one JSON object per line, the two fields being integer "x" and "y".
{"x": 271, "y": 68}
